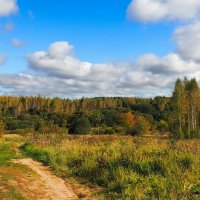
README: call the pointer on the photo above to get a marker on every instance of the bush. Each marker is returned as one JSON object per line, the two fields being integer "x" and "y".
{"x": 103, "y": 130}
{"x": 109, "y": 131}
{"x": 185, "y": 162}
{"x": 49, "y": 128}
{"x": 14, "y": 124}
{"x": 142, "y": 126}
{"x": 81, "y": 125}
{"x": 162, "y": 125}
{"x": 119, "y": 130}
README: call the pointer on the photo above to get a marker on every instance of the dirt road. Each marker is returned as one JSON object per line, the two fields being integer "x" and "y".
{"x": 53, "y": 187}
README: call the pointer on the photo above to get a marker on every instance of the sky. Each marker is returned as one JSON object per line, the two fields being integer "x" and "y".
{"x": 85, "y": 48}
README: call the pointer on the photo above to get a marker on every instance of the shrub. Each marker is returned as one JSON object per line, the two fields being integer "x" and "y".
{"x": 128, "y": 120}
{"x": 49, "y": 128}
{"x": 142, "y": 126}
{"x": 162, "y": 125}
{"x": 14, "y": 124}
{"x": 81, "y": 125}
{"x": 185, "y": 162}
{"x": 119, "y": 130}
{"x": 109, "y": 131}
{"x": 103, "y": 130}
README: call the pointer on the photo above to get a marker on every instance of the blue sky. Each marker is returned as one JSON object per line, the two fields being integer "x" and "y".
{"x": 127, "y": 37}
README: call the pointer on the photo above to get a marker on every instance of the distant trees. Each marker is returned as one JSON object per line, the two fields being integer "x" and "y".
{"x": 179, "y": 114}
{"x": 185, "y": 104}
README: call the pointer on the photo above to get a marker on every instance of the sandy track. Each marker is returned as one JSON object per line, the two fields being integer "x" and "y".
{"x": 54, "y": 187}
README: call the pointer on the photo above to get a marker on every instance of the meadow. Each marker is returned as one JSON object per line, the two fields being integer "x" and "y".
{"x": 10, "y": 172}
{"x": 124, "y": 167}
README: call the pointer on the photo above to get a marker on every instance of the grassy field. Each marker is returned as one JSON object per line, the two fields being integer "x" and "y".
{"x": 125, "y": 167}
{"x": 10, "y": 173}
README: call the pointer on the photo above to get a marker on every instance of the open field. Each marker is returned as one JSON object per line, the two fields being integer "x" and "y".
{"x": 22, "y": 178}
{"x": 125, "y": 167}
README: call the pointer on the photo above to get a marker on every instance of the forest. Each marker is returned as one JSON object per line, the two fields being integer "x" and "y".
{"x": 177, "y": 116}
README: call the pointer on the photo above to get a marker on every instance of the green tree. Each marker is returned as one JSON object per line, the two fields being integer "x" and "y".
{"x": 128, "y": 121}
{"x": 80, "y": 125}
{"x": 179, "y": 104}
{"x": 96, "y": 118}
{"x": 142, "y": 126}
{"x": 193, "y": 94}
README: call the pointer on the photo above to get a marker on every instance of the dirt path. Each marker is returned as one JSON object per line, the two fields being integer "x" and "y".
{"x": 32, "y": 180}
{"x": 53, "y": 187}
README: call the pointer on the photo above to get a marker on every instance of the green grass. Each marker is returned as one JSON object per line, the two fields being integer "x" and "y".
{"x": 7, "y": 149}
{"x": 126, "y": 167}
{"x": 8, "y": 190}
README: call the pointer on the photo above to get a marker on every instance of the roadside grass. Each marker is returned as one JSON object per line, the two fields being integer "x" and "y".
{"x": 9, "y": 172}
{"x": 126, "y": 167}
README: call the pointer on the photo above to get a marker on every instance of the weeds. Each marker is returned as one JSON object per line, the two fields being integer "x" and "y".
{"x": 128, "y": 168}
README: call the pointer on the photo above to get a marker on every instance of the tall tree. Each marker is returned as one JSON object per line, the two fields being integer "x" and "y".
{"x": 193, "y": 95}
{"x": 179, "y": 107}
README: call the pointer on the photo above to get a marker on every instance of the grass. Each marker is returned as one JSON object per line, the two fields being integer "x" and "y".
{"x": 126, "y": 167}
{"x": 10, "y": 171}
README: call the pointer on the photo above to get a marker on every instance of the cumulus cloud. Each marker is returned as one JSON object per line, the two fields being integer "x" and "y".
{"x": 59, "y": 60}
{"x": 169, "y": 64}
{"x": 58, "y": 72}
{"x": 8, "y": 7}
{"x": 17, "y": 42}
{"x": 187, "y": 39}
{"x": 3, "y": 59}
{"x": 156, "y": 10}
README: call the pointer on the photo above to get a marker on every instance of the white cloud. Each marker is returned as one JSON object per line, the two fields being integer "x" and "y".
{"x": 57, "y": 72}
{"x": 170, "y": 64}
{"x": 17, "y": 43}
{"x": 156, "y": 10}
{"x": 8, "y": 7}
{"x": 3, "y": 59}
{"x": 59, "y": 60}
{"x": 187, "y": 39}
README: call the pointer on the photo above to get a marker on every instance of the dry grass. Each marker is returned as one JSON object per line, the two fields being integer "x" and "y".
{"x": 126, "y": 167}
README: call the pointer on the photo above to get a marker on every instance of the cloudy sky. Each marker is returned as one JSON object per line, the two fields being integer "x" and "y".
{"x": 93, "y": 48}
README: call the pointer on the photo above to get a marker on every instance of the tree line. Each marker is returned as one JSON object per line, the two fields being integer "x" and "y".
{"x": 185, "y": 103}
{"x": 178, "y": 114}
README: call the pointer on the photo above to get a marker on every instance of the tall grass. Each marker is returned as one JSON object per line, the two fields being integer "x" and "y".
{"x": 7, "y": 151}
{"x": 128, "y": 168}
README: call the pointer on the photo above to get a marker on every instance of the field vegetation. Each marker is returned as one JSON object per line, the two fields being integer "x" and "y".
{"x": 126, "y": 167}
{"x": 10, "y": 172}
